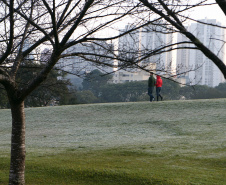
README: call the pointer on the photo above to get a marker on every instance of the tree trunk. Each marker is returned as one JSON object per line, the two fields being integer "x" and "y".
{"x": 222, "y": 5}
{"x": 17, "y": 163}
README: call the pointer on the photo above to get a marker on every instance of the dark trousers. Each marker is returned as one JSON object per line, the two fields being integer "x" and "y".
{"x": 150, "y": 91}
{"x": 158, "y": 90}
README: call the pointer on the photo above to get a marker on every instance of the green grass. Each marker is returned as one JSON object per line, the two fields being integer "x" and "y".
{"x": 171, "y": 142}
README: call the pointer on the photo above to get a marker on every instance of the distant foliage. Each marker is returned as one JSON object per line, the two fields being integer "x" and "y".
{"x": 204, "y": 92}
{"x": 53, "y": 91}
{"x": 221, "y": 87}
{"x": 95, "y": 80}
{"x": 123, "y": 92}
{"x": 99, "y": 91}
{"x": 137, "y": 91}
{"x": 86, "y": 96}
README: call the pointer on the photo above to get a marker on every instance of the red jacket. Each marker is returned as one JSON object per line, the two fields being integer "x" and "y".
{"x": 158, "y": 81}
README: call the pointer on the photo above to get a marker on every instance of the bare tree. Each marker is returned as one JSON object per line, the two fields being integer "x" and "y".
{"x": 27, "y": 28}
{"x": 171, "y": 13}
{"x": 222, "y": 5}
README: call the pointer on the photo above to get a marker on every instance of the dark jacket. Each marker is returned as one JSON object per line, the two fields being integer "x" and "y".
{"x": 151, "y": 81}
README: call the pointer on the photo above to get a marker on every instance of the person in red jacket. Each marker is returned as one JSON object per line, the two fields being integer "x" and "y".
{"x": 158, "y": 87}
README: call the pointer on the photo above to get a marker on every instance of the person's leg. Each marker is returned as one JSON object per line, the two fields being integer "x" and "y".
{"x": 150, "y": 91}
{"x": 157, "y": 93}
{"x": 160, "y": 92}
{"x": 152, "y": 97}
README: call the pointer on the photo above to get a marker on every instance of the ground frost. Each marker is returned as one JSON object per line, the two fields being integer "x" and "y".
{"x": 179, "y": 127}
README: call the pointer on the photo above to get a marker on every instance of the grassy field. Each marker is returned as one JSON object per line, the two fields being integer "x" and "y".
{"x": 169, "y": 142}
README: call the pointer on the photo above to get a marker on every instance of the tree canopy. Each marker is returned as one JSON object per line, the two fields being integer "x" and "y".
{"x": 29, "y": 27}
{"x": 95, "y": 80}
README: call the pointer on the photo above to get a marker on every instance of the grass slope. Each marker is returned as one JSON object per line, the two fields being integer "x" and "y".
{"x": 171, "y": 142}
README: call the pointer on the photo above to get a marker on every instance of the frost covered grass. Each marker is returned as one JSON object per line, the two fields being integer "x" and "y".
{"x": 169, "y": 142}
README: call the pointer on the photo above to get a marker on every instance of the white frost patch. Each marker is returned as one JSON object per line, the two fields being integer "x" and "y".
{"x": 179, "y": 128}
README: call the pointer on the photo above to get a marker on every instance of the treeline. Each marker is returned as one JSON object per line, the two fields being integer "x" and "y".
{"x": 95, "y": 84}
{"x": 48, "y": 93}
{"x": 96, "y": 89}
{"x": 137, "y": 91}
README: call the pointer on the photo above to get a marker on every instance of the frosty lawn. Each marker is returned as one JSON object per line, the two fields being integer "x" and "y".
{"x": 169, "y": 142}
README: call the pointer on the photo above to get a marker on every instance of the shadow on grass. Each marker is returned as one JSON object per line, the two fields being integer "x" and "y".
{"x": 88, "y": 177}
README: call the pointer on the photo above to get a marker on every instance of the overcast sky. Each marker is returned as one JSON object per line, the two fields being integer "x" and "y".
{"x": 210, "y": 12}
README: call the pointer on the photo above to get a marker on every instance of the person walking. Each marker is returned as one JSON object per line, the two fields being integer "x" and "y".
{"x": 151, "y": 85}
{"x": 158, "y": 87}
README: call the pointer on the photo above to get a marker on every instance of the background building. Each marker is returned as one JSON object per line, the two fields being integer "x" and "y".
{"x": 187, "y": 66}
{"x": 135, "y": 46}
{"x": 205, "y": 71}
{"x": 152, "y": 41}
{"x": 77, "y": 67}
{"x": 94, "y": 55}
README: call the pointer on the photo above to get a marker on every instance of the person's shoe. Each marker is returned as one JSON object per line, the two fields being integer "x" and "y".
{"x": 161, "y": 98}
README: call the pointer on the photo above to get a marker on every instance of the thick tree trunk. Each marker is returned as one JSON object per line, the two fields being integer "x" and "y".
{"x": 17, "y": 163}
{"x": 222, "y": 5}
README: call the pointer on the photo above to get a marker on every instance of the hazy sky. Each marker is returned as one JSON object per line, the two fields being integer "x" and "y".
{"x": 210, "y": 12}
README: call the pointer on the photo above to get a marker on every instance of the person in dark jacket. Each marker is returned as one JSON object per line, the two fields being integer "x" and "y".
{"x": 158, "y": 87}
{"x": 151, "y": 85}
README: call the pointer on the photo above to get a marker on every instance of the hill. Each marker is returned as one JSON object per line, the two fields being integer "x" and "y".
{"x": 172, "y": 142}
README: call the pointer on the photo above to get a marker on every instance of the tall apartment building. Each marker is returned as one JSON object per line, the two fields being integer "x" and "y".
{"x": 128, "y": 47}
{"x": 128, "y": 50}
{"x": 182, "y": 57}
{"x": 205, "y": 71}
{"x": 137, "y": 45}
{"x": 152, "y": 41}
{"x": 190, "y": 65}
{"x": 78, "y": 65}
